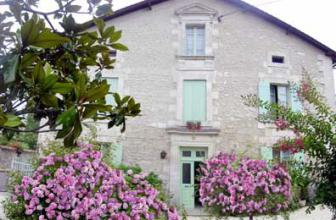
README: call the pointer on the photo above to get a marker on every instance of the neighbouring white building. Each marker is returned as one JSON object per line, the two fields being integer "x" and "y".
{"x": 191, "y": 60}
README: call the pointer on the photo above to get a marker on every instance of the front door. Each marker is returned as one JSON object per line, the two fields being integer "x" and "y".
{"x": 191, "y": 159}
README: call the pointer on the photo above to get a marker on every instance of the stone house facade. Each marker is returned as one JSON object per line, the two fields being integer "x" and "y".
{"x": 191, "y": 60}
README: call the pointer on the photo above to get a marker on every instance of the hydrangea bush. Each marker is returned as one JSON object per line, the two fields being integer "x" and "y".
{"x": 80, "y": 186}
{"x": 231, "y": 186}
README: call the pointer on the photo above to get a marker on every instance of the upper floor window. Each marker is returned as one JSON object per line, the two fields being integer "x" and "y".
{"x": 279, "y": 94}
{"x": 194, "y": 100}
{"x": 195, "y": 40}
{"x": 113, "y": 82}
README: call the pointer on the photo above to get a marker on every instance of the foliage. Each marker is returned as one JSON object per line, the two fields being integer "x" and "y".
{"x": 26, "y": 140}
{"x": 79, "y": 185}
{"x": 243, "y": 187}
{"x": 44, "y": 71}
{"x": 316, "y": 128}
{"x": 300, "y": 182}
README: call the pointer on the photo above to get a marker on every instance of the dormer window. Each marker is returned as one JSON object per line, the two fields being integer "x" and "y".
{"x": 195, "y": 40}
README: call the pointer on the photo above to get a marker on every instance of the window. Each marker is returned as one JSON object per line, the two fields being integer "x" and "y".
{"x": 195, "y": 40}
{"x": 186, "y": 173}
{"x": 281, "y": 156}
{"x": 186, "y": 153}
{"x": 279, "y": 94}
{"x": 113, "y": 82}
{"x": 194, "y": 100}
{"x": 278, "y": 59}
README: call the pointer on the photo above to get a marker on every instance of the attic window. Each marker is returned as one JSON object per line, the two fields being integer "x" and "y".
{"x": 278, "y": 59}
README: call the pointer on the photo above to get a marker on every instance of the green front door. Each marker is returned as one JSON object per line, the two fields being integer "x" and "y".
{"x": 191, "y": 159}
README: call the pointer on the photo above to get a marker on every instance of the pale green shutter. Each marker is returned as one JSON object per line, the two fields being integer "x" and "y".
{"x": 266, "y": 153}
{"x": 299, "y": 157}
{"x": 117, "y": 151}
{"x": 113, "y": 82}
{"x": 194, "y": 100}
{"x": 264, "y": 94}
{"x": 295, "y": 101}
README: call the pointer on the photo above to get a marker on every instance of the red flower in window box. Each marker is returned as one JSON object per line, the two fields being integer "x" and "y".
{"x": 194, "y": 125}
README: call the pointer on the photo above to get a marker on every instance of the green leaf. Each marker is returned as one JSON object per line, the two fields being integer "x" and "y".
{"x": 49, "y": 81}
{"x": 10, "y": 68}
{"x": 30, "y": 31}
{"x": 62, "y": 88}
{"x": 38, "y": 73}
{"x": 108, "y": 31}
{"x": 115, "y": 36}
{"x": 100, "y": 25}
{"x": 49, "y": 40}
{"x": 119, "y": 46}
{"x": 12, "y": 121}
{"x": 28, "y": 59}
{"x": 105, "y": 9}
{"x": 67, "y": 117}
{"x": 73, "y": 8}
{"x": 49, "y": 100}
{"x": 97, "y": 93}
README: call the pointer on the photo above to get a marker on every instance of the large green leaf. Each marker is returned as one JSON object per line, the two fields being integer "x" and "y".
{"x": 119, "y": 46}
{"x": 12, "y": 121}
{"x": 62, "y": 88}
{"x": 48, "y": 40}
{"x": 30, "y": 30}
{"x": 67, "y": 117}
{"x": 10, "y": 68}
{"x": 97, "y": 92}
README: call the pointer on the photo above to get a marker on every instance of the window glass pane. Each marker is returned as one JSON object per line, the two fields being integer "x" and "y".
{"x": 195, "y": 40}
{"x": 285, "y": 155}
{"x": 273, "y": 94}
{"x": 200, "y": 41}
{"x": 282, "y": 95}
{"x": 200, "y": 154}
{"x": 194, "y": 100}
{"x": 186, "y": 153}
{"x": 186, "y": 173}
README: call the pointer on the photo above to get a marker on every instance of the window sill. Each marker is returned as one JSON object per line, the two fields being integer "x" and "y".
{"x": 204, "y": 130}
{"x": 275, "y": 65}
{"x": 184, "y": 57}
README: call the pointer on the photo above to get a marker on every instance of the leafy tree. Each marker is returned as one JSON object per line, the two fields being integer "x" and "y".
{"x": 314, "y": 128}
{"x": 44, "y": 70}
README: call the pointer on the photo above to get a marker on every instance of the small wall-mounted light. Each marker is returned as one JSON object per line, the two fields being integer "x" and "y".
{"x": 163, "y": 154}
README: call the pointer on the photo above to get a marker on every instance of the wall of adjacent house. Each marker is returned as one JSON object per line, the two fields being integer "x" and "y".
{"x": 238, "y": 59}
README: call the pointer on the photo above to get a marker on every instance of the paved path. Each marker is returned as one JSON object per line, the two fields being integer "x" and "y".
{"x": 318, "y": 214}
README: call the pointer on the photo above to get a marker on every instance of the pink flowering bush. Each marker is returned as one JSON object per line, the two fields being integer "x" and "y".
{"x": 80, "y": 186}
{"x": 229, "y": 186}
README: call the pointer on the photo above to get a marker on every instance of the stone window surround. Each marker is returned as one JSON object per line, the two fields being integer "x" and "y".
{"x": 195, "y": 14}
{"x": 193, "y": 75}
{"x": 278, "y": 65}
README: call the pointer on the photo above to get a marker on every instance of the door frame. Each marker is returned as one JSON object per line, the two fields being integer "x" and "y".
{"x": 190, "y": 159}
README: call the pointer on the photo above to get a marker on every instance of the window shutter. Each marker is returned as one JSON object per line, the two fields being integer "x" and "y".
{"x": 194, "y": 100}
{"x": 117, "y": 151}
{"x": 113, "y": 82}
{"x": 264, "y": 94}
{"x": 295, "y": 101}
{"x": 266, "y": 153}
{"x": 299, "y": 157}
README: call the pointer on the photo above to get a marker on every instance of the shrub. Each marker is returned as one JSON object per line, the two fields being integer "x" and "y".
{"x": 231, "y": 186}
{"x": 80, "y": 186}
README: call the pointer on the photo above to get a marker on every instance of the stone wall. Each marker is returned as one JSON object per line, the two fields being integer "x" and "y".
{"x": 7, "y": 154}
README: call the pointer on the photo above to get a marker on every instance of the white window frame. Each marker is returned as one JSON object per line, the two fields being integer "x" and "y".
{"x": 194, "y": 27}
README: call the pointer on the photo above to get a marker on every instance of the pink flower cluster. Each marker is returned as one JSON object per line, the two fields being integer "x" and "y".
{"x": 243, "y": 187}
{"x": 80, "y": 186}
{"x": 293, "y": 145}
